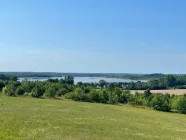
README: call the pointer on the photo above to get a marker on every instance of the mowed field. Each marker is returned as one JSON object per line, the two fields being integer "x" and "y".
{"x": 24, "y": 118}
{"x": 173, "y": 91}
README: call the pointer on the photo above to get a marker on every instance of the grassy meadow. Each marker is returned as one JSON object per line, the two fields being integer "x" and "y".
{"x": 24, "y": 118}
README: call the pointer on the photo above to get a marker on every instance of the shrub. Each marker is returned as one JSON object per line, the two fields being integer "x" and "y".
{"x": 93, "y": 96}
{"x": 1, "y": 84}
{"x": 26, "y": 94}
{"x": 147, "y": 93}
{"x": 4, "y": 90}
{"x": 149, "y": 100}
{"x": 9, "y": 90}
{"x": 36, "y": 92}
{"x": 50, "y": 92}
{"x": 62, "y": 91}
{"x": 27, "y": 85}
{"x": 174, "y": 101}
{"x": 78, "y": 95}
{"x": 113, "y": 98}
{"x": 20, "y": 91}
{"x": 137, "y": 99}
{"x": 161, "y": 102}
{"x": 118, "y": 91}
{"x": 104, "y": 96}
{"x": 181, "y": 104}
{"x": 87, "y": 90}
{"x": 70, "y": 95}
{"x": 124, "y": 97}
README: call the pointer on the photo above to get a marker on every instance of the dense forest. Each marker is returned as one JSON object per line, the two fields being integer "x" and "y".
{"x": 102, "y": 92}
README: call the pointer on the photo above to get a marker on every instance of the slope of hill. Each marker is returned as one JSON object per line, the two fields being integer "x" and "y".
{"x": 44, "y": 119}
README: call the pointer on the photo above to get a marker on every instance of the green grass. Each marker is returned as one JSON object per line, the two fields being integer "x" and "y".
{"x": 24, "y": 118}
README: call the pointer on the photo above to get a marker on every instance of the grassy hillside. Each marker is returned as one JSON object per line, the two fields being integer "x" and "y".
{"x": 47, "y": 119}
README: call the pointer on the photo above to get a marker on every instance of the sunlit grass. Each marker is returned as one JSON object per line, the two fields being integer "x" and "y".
{"x": 48, "y": 119}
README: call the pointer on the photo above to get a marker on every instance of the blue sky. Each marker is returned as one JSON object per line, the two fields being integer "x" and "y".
{"x": 123, "y": 36}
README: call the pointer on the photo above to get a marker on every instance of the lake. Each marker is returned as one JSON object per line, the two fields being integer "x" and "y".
{"x": 85, "y": 79}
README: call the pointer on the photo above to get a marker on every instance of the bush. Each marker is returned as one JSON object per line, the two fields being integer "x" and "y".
{"x": 147, "y": 93}
{"x": 69, "y": 95}
{"x": 20, "y": 91}
{"x": 26, "y": 94}
{"x": 137, "y": 99}
{"x": 181, "y": 104}
{"x": 4, "y": 90}
{"x": 1, "y": 84}
{"x": 61, "y": 91}
{"x": 149, "y": 100}
{"x": 93, "y": 96}
{"x": 27, "y": 85}
{"x": 161, "y": 102}
{"x": 118, "y": 91}
{"x": 124, "y": 97}
{"x": 9, "y": 90}
{"x": 50, "y": 92}
{"x": 113, "y": 98}
{"x": 104, "y": 96}
{"x": 36, "y": 92}
{"x": 77, "y": 95}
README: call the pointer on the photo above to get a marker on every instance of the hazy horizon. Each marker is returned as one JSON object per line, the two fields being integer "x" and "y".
{"x": 84, "y": 72}
{"x": 122, "y": 36}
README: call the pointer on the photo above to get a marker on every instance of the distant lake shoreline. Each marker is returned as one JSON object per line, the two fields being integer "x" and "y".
{"x": 84, "y": 79}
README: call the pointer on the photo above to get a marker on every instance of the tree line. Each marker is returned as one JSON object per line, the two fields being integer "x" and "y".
{"x": 8, "y": 77}
{"x": 167, "y": 82}
{"x": 102, "y": 92}
{"x": 108, "y": 75}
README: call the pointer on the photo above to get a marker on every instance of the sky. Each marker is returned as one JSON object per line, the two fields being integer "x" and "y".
{"x": 93, "y": 36}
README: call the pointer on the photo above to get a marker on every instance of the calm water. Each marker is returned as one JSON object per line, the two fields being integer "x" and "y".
{"x": 85, "y": 79}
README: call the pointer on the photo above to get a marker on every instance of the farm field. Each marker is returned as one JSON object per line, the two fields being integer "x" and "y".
{"x": 173, "y": 91}
{"x": 24, "y": 118}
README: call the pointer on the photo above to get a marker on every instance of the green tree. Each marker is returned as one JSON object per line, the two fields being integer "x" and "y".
{"x": 118, "y": 91}
{"x": 181, "y": 104}
{"x": 50, "y": 92}
{"x": 69, "y": 80}
{"x": 27, "y": 85}
{"x": 125, "y": 96}
{"x": 153, "y": 84}
{"x": 9, "y": 90}
{"x": 53, "y": 80}
{"x": 79, "y": 83}
{"x": 137, "y": 99}
{"x": 162, "y": 84}
{"x": 147, "y": 93}
{"x": 20, "y": 91}
{"x": 62, "y": 91}
{"x": 93, "y": 95}
{"x": 2, "y": 84}
{"x": 13, "y": 78}
{"x": 113, "y": 98}
{"x": 170, "y": 80}
{"x": 79, "y": 95}
{"x": 161, "y": 102}
{"x": 138, "y": 85}
{"x": 102, "y": 83}
{"x": 104, "y": 95}
{"x": 131, "y": 86}
{"x": 36, "y": 92}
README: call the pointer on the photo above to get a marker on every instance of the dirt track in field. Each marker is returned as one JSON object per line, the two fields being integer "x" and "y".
{"x": 175, "y": 91}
